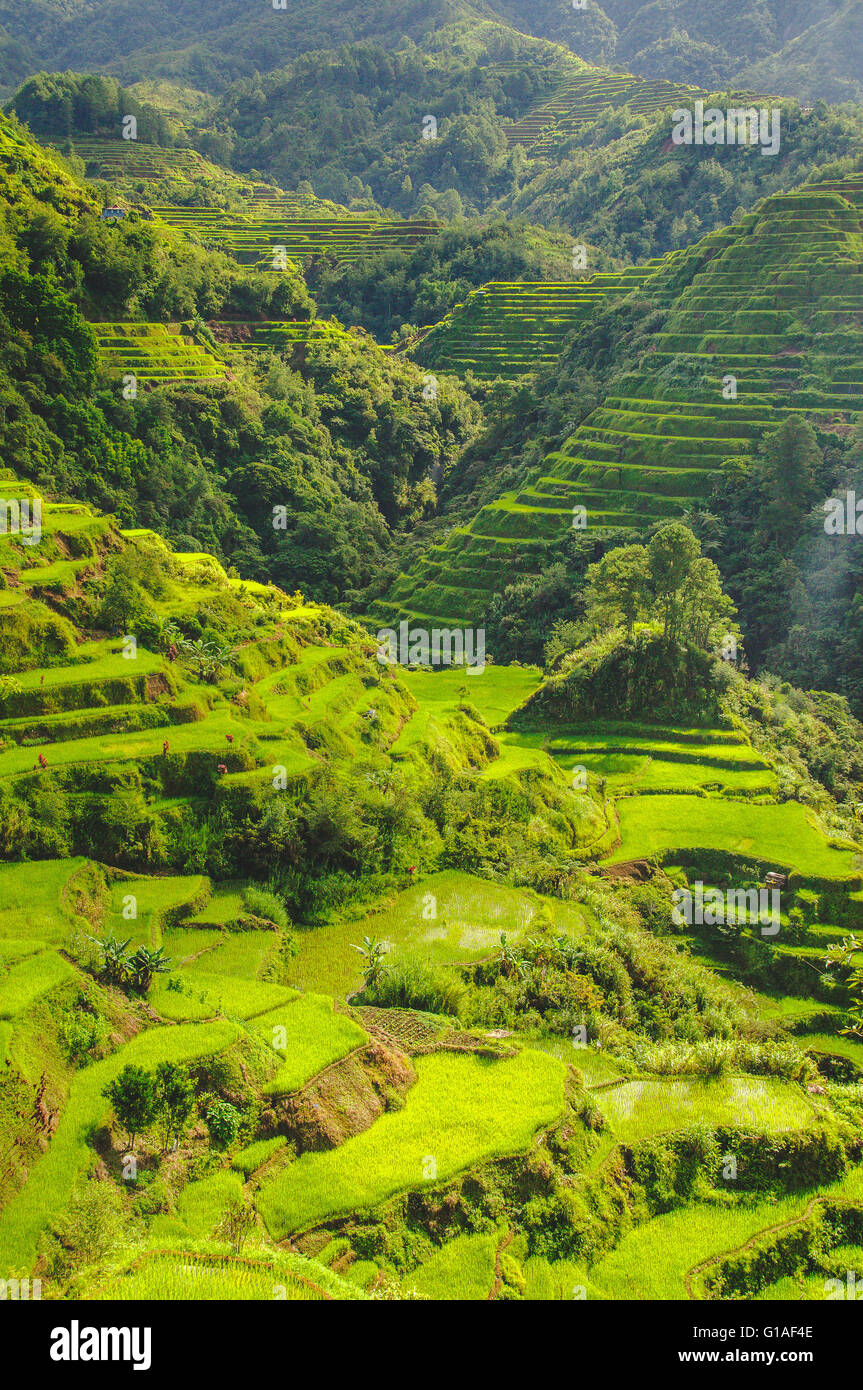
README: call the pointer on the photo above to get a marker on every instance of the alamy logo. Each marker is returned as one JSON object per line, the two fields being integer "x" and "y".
{"x": 844, "y": 515}
{"x": 441, "y": 647}
{"x": 709, "y": 907}
{"x": 22, "y": 518}
{"x": 851, "y": 1287}
{"x": 21, "y": 1290}
{"x": 77, "y": 1343}
{"x": 737, "y": 126}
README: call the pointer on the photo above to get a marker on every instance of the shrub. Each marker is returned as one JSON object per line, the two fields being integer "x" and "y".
{"x": 223, "y": 1122}
{"x": 415, "y": 984}
{"x": 262, "y": 903}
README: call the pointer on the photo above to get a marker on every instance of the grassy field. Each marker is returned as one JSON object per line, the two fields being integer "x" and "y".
{"x": 495, "y": 693}
{"x": 52, "y": 1178}
{"x": 31, "y": 905}
{"x": 449, "y": 916}
{"x": 192, "y": 1277}
{"x": 204, "y": 996}
{"x": 653, "y": 1260}
{"x": 22, "y": 983}
{"x": 785, "y": 835}
{"x": 462, "y": 1269}
{"x": 638, "y": 1109}
{"x": 308, "y": 1035}
{"x": 462, "y": 1109}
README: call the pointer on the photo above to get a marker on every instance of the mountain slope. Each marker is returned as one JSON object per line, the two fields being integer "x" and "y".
{"x": 808, "y": 50}
{"x": 756, "y": 323}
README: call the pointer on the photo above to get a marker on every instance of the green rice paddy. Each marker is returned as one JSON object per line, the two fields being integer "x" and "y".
{"x": 448, "y": 917}
{"x": 637, "y": 1109}
{"x": 462, "y": 1109}
{"x": 782, "y": 834}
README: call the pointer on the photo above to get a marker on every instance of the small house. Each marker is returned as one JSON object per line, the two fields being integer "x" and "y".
{"x": 113, "y": 214}
{"x": 775, "y": 880}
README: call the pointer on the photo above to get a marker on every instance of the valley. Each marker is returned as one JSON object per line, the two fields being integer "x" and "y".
{"x": 413, "y": 582}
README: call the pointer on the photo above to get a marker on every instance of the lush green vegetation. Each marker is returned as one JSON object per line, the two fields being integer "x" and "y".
{"x": 424, "y": 322}
{"x": 475, "y": 1108}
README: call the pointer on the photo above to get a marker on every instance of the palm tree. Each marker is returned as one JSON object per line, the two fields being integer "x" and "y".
{"x": 144, "y": 964}
{"x": 207, "y": 658}
{"x": 509, "y": 960}
{"x": 114, "y": 964}
{"x": 372, "y": 952}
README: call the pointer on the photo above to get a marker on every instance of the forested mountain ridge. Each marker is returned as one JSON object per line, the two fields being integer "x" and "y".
{"x": 806, "y": 50}
{"x": 348, "y": 462}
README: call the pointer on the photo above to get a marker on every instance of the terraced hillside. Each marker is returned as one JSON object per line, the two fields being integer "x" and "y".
{"x": 253, "y": 238}
{"x": 511, "y": 328}
{"x": 155, "y": 353}
{"x": 359, "y": 1111}
{"x": 580, "y": 98}
{"x": 770, "y": 308}
{"x": 120, "y": 160}
{"x": 241, "y": 339}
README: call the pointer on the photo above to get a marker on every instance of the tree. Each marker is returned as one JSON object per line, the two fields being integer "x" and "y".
{"x": 175, "y": 1092}
{"x": 791, "y": 457}
{"x": 618, "y": 586}
{"x": 237, "y": 1224}
{"x": 143, "y": 965}
{"x": 707, "y": 613}
{"x": 670, "y": 572}
{"x": 113, "y": 964}
{"x": 509, "y": 960}
{"x": 670, "y": 556}
{"x": 133, "y": 1096}
{"x": 840, "y": 967}
{"x": 372, "y": 952}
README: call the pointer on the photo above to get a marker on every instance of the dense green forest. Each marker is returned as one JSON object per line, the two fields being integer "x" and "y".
{"x": 805, "y": 50}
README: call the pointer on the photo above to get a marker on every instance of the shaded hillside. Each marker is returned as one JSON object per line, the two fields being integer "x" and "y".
{"x": 807, "y": 50}
{"x": 753, "y": 325}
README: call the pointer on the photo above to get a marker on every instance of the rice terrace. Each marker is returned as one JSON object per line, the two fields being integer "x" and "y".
{"x": 430, "y": 438}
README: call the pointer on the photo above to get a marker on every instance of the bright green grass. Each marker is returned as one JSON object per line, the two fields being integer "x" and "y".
{"x": 224, "y": 904}
{"x": 782, "y": 834}
{"x": 647, "y": 771}
{"x": 652, "y": 1261}
{"x": 13, "y": 950}
{"x": 150, "y": 899}
{"x": 517, "y": 753}
{"x": 638, "y": 1109}
{"x": 449, "y": 916}
{"x": 205, "y": 995}
{"x": 180, "y": 1278}
{"x": 809, "y": 1288}
{"x": 495, "y": 693}
{"x": 596, "y": 1067}
{"x": 23, "y": 983}
{"x": 52, "y": 1177}
{"x": 835, "y": 1044}
{"x": 254, "y": 1156}
{"x": 556, "y": 1281}
{"x": 95, "y": 661}
{"x": 462, "y": 1269}
{"x": 233, "y": 953}
{"x": 463, "y": 1109}
{"x": 30, "y": 899}
{"x": 202, "y": 1204}
{"x": 205, "y": 735}
{"x": 314, "y": 1037}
